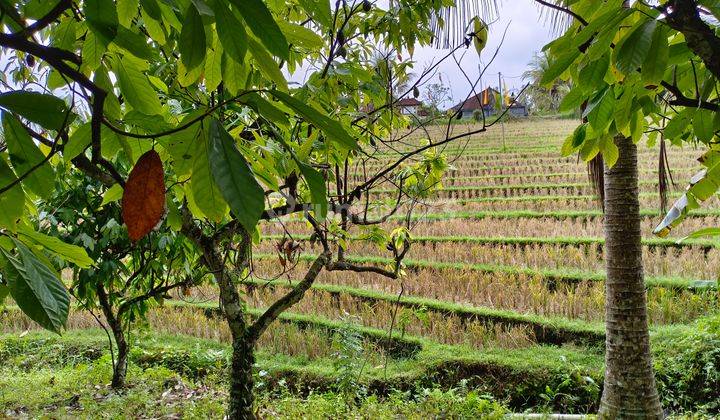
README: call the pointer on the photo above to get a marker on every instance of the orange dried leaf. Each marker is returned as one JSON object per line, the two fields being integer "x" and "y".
{"x": 143, "y": 202}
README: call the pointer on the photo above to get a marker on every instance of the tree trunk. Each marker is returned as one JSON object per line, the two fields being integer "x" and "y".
{"x": 241, "y": 380}
{"x": 120, "y": 364}
{"x": 629, "y": 388}
{"x": 241, "y": 395}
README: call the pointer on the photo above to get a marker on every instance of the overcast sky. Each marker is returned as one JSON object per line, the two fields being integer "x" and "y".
{"x": 526, "y": 34}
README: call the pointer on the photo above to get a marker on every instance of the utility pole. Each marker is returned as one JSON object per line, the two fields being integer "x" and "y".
{"x": 502, "y": 104}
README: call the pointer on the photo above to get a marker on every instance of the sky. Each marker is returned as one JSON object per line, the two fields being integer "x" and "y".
{"x": 527, "y": 34}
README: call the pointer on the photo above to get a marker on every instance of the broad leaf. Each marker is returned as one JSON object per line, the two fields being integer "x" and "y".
{"x": 68, "y": 252}
{"x": 480, "y": 34}
{"x": 332, "y": 129}
{"x": 192, "y": 39}
{"x": 26, "y": 158}
{"x": 36, "y": 289}
{"x": 12, "y": 201}
{"x": 102, "y": 18}
{"x": 232, "y": 174}
{"x": 267, "y": 64}
{"x": 47, "y": 110}
{"x": 112, "y": 195}
{"x": 136, "y": 87}
{"x": 205, "y": 192}
{"x": 632, "y": 50}
{"x": 318, "y": 189}
{"x": 231, "y": 32}
{"x": 259, "y": 19}
{"x": 559, "y": 66}
{"x": 319, "y": 10}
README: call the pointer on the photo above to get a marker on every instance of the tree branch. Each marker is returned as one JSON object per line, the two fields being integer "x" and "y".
{"x": 290, "y": 298}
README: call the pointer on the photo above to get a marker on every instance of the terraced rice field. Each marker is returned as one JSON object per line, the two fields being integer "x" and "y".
{"x": 505, "y": 277}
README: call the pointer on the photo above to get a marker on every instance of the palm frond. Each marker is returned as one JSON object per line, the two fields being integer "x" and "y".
{"x": 450, "y": 22}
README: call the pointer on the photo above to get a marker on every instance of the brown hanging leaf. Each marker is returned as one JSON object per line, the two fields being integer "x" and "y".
{"x": 143, "y": 201}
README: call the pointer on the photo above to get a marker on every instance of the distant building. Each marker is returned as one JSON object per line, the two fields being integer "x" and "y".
{"x": 410, "y": 106}
{"x": 485, "y": 102}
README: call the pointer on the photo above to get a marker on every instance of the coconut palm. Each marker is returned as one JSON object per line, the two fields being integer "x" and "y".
{"x": 629, "y": 387}
{"x": 542, "y": 98}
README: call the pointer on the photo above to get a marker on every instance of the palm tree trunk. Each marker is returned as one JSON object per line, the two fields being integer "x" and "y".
{"x": 629, "y": 389}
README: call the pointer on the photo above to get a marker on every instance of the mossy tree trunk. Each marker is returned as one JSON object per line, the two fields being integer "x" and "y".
{"x": 121, "y": 361}
{"x": 629, "y": 388}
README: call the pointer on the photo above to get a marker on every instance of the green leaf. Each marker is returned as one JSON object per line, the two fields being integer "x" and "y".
{"x": 559, "y": 66}
{"x": 36, "y": 289}
{"x": 112, "y": 195}
{"x": 234, "y": 177}
{"x": 206, "y": 194}
{"x": 261, "y": 22}
{"x": 133, "y": 42}
{"x": 231, "y": 32}
{"x": 676, "y": 127}
{"x": 136, "y": 87}
{"x": 213, "y": 67}
{"x": 92, "y": 52}
{"x": 572, "y": 100}
{"x": 480, "y": 34}
{"x": 267, "y": 109}
{"x": 600, "y": 110}
{"x": 656, "y": 62}
{"x": 318, "y": 189}
{"x": 632, "y": 50}
{"x": 234, "y": 75}
{"x": 301, "y": 36}
{"x": 152, "y": 8}
{"x": 192, "y": 39}
{"x": 12, "y": 201}
{"x": 47, "y": 110}
{"x": 25, "y": 158}
{"x": 267, "y": 64}
{"x": 332, "y": 129}
{"x": 592, "y": 75}
{"x": 609, "y": 151}
{"x": 102, "y": 18}
{"x": 127, "y": 10}
{"x": 68, "y": 252}
{"x": 319, "y": 10}
{"x": 700, "y": 233}
{"x": 703, "y": 125}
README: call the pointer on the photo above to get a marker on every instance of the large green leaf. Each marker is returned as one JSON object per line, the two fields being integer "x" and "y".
{"x": 332, "y": 129}
{"x": 655, "y": 64}
{"x": 68, "y": 252}
{"x": 127, "y": 10}
{"x": 267, "y": 64}
{"x": 318, "y": 189}
{"x": 206, "y": 194}
{"x": 259, "y": 19}
{"x": 558, "y": 66}
{"x": 319, "y": 10}
{"x": 592, "y": 75}
{"x": 47, "y": 110}
{"x": 634, "y": 48}
{"x": 36, "y": 289}
{"x": 213, "y": 66}
{"x": 25, "y": 158}
{"x": 136, "y": 87}
{"x": 234, "y": 177}
{"x": 12, "y": 201}
{"x": 192, "y": 39}
{"x": 102, "y": 18}
{"x": 230, "y": 31}
{"x": 703, "y": 125}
